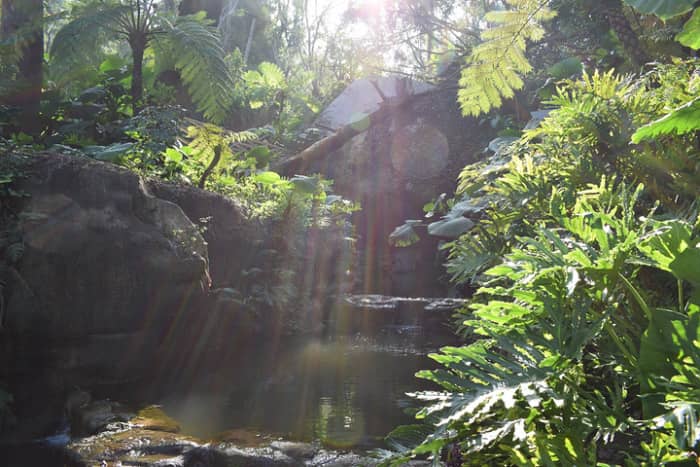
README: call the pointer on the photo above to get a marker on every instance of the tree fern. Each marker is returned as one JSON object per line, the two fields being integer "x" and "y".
{"x": 195, "y": 45}
{"x": 495, "y": 66}
{"x": 202, "y": 66}
{"x": 212, "y": 143}
{"x": 92, "y": 26}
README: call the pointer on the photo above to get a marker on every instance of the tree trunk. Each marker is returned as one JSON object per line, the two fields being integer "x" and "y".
{"x": 138, "y": 48}
{"x": 25, "y": 18}
{"x": 613, "y": 11}
{"x": 248, "y": 44}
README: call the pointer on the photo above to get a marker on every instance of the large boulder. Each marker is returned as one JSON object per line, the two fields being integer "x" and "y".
{"x": 363, "y": 97}
{"x": 233, "y": 241}
{"x": 107, "y": 270}
{"x": 394, "y": 168}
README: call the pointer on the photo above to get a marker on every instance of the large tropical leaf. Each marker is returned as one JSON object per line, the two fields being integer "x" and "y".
{"x": 664, "y": 9}
{"x": 690, "y": 35}
{"x": 199, "y": 57}
{"x": 684, "y": 119}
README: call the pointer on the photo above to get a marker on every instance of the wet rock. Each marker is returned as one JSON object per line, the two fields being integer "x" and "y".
{"x": 425, "y": 319}
{"x": 149, "y": 439}
{"x": 94, "y": 417}
{"x": 231, "y": 456}
{"x": 154, "y": 418}
{"x": 334, "y": 459}
{"x": 295, "y": 450}
{"x": 132, "y": 446}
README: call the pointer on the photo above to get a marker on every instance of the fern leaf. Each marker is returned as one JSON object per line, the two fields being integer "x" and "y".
{"x": 202, "y": 66}
{"x": 76, "y": 40}
{"x": 495, "y": 66}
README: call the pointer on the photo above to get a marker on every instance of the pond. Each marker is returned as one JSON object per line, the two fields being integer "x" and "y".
{"x": 346, "y": 392}
{"x": 346, "y": 389}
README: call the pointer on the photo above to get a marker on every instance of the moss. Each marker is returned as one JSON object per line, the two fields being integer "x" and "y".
{"x": 154, "y": 418}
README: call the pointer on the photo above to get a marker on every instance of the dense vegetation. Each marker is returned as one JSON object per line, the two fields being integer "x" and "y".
{"x": 578, "y": 234}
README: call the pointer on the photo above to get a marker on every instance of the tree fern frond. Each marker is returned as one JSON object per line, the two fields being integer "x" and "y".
{"x": 77, "y": 40}
{"x": 496, "y": 65}
{"x": 202, "y": 66}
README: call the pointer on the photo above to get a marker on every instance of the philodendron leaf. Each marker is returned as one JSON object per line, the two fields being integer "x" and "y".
{"x": 110, "y": 153}
{"x": 306, "y": 185}
{"x": 450, "y": 228}
{"x": 690, "y": 35}
{"x": 664, "y": 9}
{"x": 666, "y": 242}
{"x": 404, "y": 235}
{"x": 684, "y": 119}
{"x": 686, "y": 266}
{"x": 268, "y": 178}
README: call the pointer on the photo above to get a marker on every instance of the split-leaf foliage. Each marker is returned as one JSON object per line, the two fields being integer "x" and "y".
{"x": 583, "y": 332}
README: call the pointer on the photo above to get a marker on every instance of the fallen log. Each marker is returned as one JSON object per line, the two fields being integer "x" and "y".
{"x": 299, "y": 162}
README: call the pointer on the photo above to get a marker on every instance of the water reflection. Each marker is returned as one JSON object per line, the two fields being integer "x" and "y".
{"x": 346, "y": 393}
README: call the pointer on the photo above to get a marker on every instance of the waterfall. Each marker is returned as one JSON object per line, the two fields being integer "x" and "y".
{"x": 226, "y": 23}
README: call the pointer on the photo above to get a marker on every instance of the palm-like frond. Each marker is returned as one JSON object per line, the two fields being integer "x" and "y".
{"x": 76, "y": 41}
{"x": 496, "y": 65}
{"x": 199, "y": 58}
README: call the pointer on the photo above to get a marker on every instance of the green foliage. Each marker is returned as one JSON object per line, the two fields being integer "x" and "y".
{"x": 75, "y": 42}
{"x": 684, "y": 119}
{"x": 193, "y": 45}
{"x": 264, "y": 83}
{"x": 690, "y": 35}
{"x": 578, "y": 353}
{"x": 494, "y": 67}
{"x": 199, "y": 58}
{"x": 664, "y": 9}
{"x": 559, "y": 344}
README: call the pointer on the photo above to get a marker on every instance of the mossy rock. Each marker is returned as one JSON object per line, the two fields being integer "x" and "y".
{"x": 155, "y": 419}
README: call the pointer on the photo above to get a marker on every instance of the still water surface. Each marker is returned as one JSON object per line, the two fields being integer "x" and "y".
{"x": 345, "y": 392}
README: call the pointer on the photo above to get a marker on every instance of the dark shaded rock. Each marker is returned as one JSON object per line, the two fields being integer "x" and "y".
{"x": 106, "y": 271}
{"x": 133, "y": 446}
{"x": 233, "y": 241}
{"x": 94, "y": 417}
{"x": 86, "y": 226}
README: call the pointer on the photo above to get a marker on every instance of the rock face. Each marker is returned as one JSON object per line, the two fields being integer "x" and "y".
{"x": 131, "y": 444}
{"x": 393, "y": 169}
{"x": 362, "y": 98}
{"x": 116, "y": 275}
{"x": 233, "y": 242}
{"x": 110, "y": 279}
{"x": 85, "y": 227}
